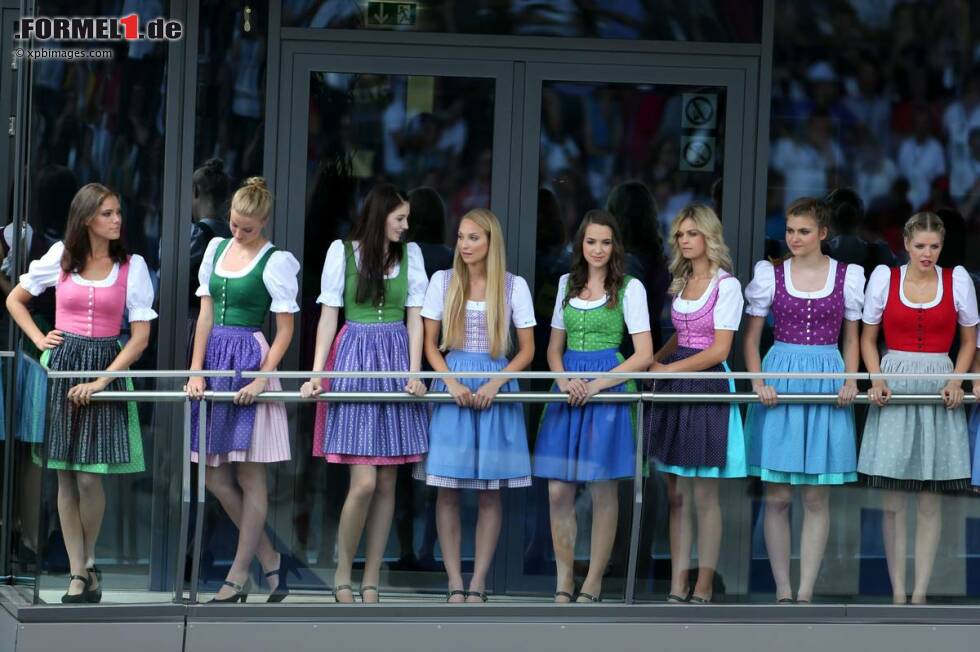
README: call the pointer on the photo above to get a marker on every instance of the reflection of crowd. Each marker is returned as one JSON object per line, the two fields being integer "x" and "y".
{"x": 701, "y": 20}
{"x": 595, "y": 137}
{"x": 231, "y": 88}
{"x": 883, "y": 98}
{"x": 414, "y": 132}
{"x": 103, "y": 121}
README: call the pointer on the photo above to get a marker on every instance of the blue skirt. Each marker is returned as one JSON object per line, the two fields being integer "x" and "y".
{"x": 590, "y": 443}
{"x": 32, "y": 390}
{"x": 974, "y": 429}
{"x": 3, "y": 399}
{"x": 803, "y": 444}
{"x": 468, "y": 444}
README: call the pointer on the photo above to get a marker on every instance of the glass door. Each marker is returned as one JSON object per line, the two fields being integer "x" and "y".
{"x": 640, "y": 142}
{"x": 540, "y": 144}
{"x": 438, "y": 130}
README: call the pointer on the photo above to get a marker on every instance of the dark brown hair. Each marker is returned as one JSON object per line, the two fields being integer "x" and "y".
{"x": 78, "y": 247}
{"x": 212, "y": 183}
{"x": 578, "y": 276}
{"x": 378, "y": 255}
{"x": 818, "y": 210}
{"x": 812, "y": 207}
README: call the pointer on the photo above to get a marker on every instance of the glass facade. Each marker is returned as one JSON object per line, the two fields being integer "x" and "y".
{"x": 881, "y": 127}
{"x": 93, "y": 121}
{"x": 661, "y": 20}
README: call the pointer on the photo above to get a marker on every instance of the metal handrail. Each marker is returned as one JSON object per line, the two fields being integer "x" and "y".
{"x": 141, "y": 373}
{"x": 517, "y": 397}
{"x": 552, "y": 375}
{"x": 640, "y": 399}
{"x": 6, "y": 354}
{"x": 516, "y": 375}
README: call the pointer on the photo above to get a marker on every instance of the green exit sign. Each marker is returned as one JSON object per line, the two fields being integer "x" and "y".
{"x": 391, "y": 14}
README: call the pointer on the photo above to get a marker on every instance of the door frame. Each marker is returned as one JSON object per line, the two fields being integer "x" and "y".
{"x": 520, "y": 73}
{"x": 8, "y": 108}
{"x": 299, "y": 62}
{"x": 732, "y": 80}
{"x": 736, "y": 208}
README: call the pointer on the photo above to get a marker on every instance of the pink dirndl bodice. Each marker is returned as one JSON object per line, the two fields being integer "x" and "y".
{"x": 91, "y": 311}
{"x": 696, "y": 330}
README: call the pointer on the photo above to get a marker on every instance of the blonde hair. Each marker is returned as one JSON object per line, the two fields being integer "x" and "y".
{"x": 709, "y": 225}
{"x": 454, "y": 314}
{"x": 253, "y": 199}
{"x": 924, "y": 221}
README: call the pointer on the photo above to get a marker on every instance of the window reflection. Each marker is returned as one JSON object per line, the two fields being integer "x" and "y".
{"x": 433, "y": 137}
{"x": 619, "y": 146}
{"x": 905, "y": 137}
{"x": 882, "y": 125}
{"x": 93, "y": 121}
{"x": 705, "y": 20}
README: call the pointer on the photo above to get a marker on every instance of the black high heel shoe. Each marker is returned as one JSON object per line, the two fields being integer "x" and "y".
{"x": 287, "y": 564}
{"x": 241, "y": 593}
{"x": 78, "y": 598}
{"x": 94, "y": 596}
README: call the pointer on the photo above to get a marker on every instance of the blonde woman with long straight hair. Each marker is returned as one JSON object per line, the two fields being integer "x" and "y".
{"x": 476, "y": 443}
{"x": 696, "y": 444}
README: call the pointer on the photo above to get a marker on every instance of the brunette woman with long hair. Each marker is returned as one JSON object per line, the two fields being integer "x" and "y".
{"x": 582, "y": 441}
{"x": 380, "y": 282}
{"x": 95, "y": 280}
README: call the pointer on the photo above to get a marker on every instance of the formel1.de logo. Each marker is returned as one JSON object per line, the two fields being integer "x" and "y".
{"x": 97, "y": 28}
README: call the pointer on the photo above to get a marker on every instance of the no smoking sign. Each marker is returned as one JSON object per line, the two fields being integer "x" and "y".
{"x": 697, "y": 153}
{"x": 700, "y": 110}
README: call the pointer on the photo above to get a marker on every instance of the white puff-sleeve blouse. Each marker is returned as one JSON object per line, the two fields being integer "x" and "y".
{"x": 964, "y": 295}
{"x": 635, "y": 311}
{"x": 521, "y": 303}
{"x": 727, "y": 313}
{"x": 44, "y": 273}
{"x": 279, "y": 275}
{"x": 759, "y": 293}
{"x": 335, "y": 267}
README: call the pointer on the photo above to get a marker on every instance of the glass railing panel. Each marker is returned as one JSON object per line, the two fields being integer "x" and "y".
{"x": 120, "y": 510}
{"x": 25, "y": 391}
{"x": 695, "y": 529}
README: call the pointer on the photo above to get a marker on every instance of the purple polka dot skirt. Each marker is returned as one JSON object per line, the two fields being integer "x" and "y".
{"x": 240, "y": 433}
{"x": 373, "y": 432}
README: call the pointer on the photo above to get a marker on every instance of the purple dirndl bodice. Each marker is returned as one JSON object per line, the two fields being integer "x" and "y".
{"x": 476, "y": 339}
{"x": 808, "y": 321}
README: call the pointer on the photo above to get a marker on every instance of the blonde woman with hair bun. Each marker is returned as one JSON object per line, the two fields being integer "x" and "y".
{"x": 476, "y": 443}
{"x": 697, "y": 444}
{"x": 922, "y": 448}
{"x": 241, "y": 280}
